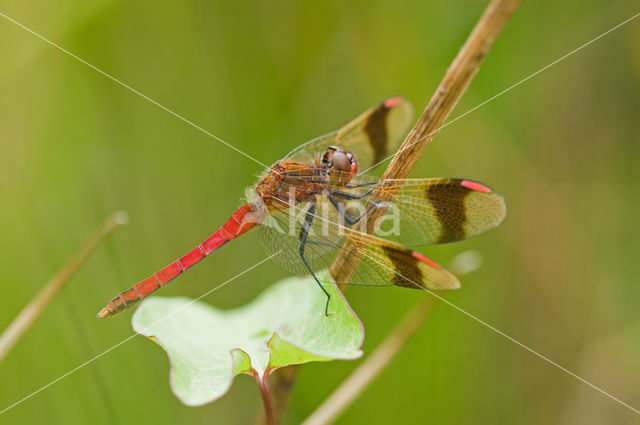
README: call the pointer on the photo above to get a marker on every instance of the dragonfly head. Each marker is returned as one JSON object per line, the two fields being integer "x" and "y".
{"x": 340, "y": 165}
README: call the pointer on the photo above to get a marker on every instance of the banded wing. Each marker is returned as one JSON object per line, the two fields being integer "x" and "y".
{"x": 280, "y": 232}
{"x": 384, "y": 262}
{"x": 422, "y": 212}
{"x": 370, "y": 137}
{"x": 439, "y": 210}
{"x": 381, "y": 262}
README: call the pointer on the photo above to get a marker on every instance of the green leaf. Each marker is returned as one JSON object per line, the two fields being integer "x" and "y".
{"x": 285, "y": 325}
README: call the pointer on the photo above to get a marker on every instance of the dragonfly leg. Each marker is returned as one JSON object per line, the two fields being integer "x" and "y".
{"x": 327, "y": 244}
{"x": 351, "y": 185}
{"x": 304, "y": 233}
{"x": 374, "y": 186}
{"x": 344, "y": 215}
{"x": 347, "y": 195}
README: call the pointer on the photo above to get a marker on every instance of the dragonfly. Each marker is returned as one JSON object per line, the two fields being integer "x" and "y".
{"x": 306, "y": 207}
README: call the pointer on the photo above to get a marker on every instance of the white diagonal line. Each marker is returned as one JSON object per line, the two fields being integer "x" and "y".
{"x": 112, "y": 78}
{"x": 531, "y": 350}
{"x": 506, "y": 90}
{"x": 135, "y": 334}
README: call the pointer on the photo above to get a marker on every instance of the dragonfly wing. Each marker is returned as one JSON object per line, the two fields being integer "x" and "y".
{"x": 427, "y": 211}
{"x": 382, "y": 262}
{"x": 444, "y": 210}
{"x": 280, "y": 233}
{"x": 370, "y": 137}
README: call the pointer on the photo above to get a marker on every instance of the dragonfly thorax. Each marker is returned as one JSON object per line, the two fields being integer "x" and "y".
{"x": 287, "y": 183}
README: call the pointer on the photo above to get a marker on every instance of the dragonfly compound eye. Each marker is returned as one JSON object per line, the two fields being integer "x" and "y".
{"x": 341, "y": 162}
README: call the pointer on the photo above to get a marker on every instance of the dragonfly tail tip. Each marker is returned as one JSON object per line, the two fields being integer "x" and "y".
{"x": 103, "y": 313}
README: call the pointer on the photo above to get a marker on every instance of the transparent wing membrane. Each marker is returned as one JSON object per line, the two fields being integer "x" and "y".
{"x": 370, "y": 137}
{"x": 381, "y": 262}
{"x": 422, "y": 212}
{"x": 281, "y": 231}
{"x": 433, "y": 211}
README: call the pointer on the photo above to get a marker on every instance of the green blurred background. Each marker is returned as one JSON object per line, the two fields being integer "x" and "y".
{"x": 560, "y": 275}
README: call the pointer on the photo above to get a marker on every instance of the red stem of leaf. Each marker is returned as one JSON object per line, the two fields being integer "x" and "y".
{"x": 266, "y": 397}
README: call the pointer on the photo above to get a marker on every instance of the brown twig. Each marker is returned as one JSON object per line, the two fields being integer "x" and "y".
{"x": 455, "y": 82}
{"x": 31, "y": 311}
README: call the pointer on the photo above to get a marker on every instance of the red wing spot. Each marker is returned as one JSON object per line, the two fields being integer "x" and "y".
{"x": 424, "y": 259}
{"x": 394, "y": 101}
{"x": 475, "y": 186}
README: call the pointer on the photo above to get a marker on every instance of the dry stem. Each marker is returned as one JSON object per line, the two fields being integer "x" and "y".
{"x": 455, "y": 82}
{"x": 31, "y": 311}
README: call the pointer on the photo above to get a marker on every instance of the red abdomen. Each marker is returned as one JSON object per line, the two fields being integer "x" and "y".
{"x": 240, "y": 222}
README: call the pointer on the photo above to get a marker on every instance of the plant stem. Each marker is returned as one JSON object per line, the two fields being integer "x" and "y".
{"x": 456, "y": 80}
{"x": 266, "y": 399}
{"x": 360, "y": 379}
{"x": 280, "y": 386}
{"x": 31, "y": 311}
{"x": 453, "y": 85}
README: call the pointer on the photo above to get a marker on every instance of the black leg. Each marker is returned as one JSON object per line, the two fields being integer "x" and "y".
{"x": 346, "y": 195}
{"x": 304, "y": 232}
{"x": 327, "y": 244}
{"x": 350, "y": 185}
{"x": 351, "y": 196}
{"x": 349, "y": 220}
{"x": 374, "y": 186}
